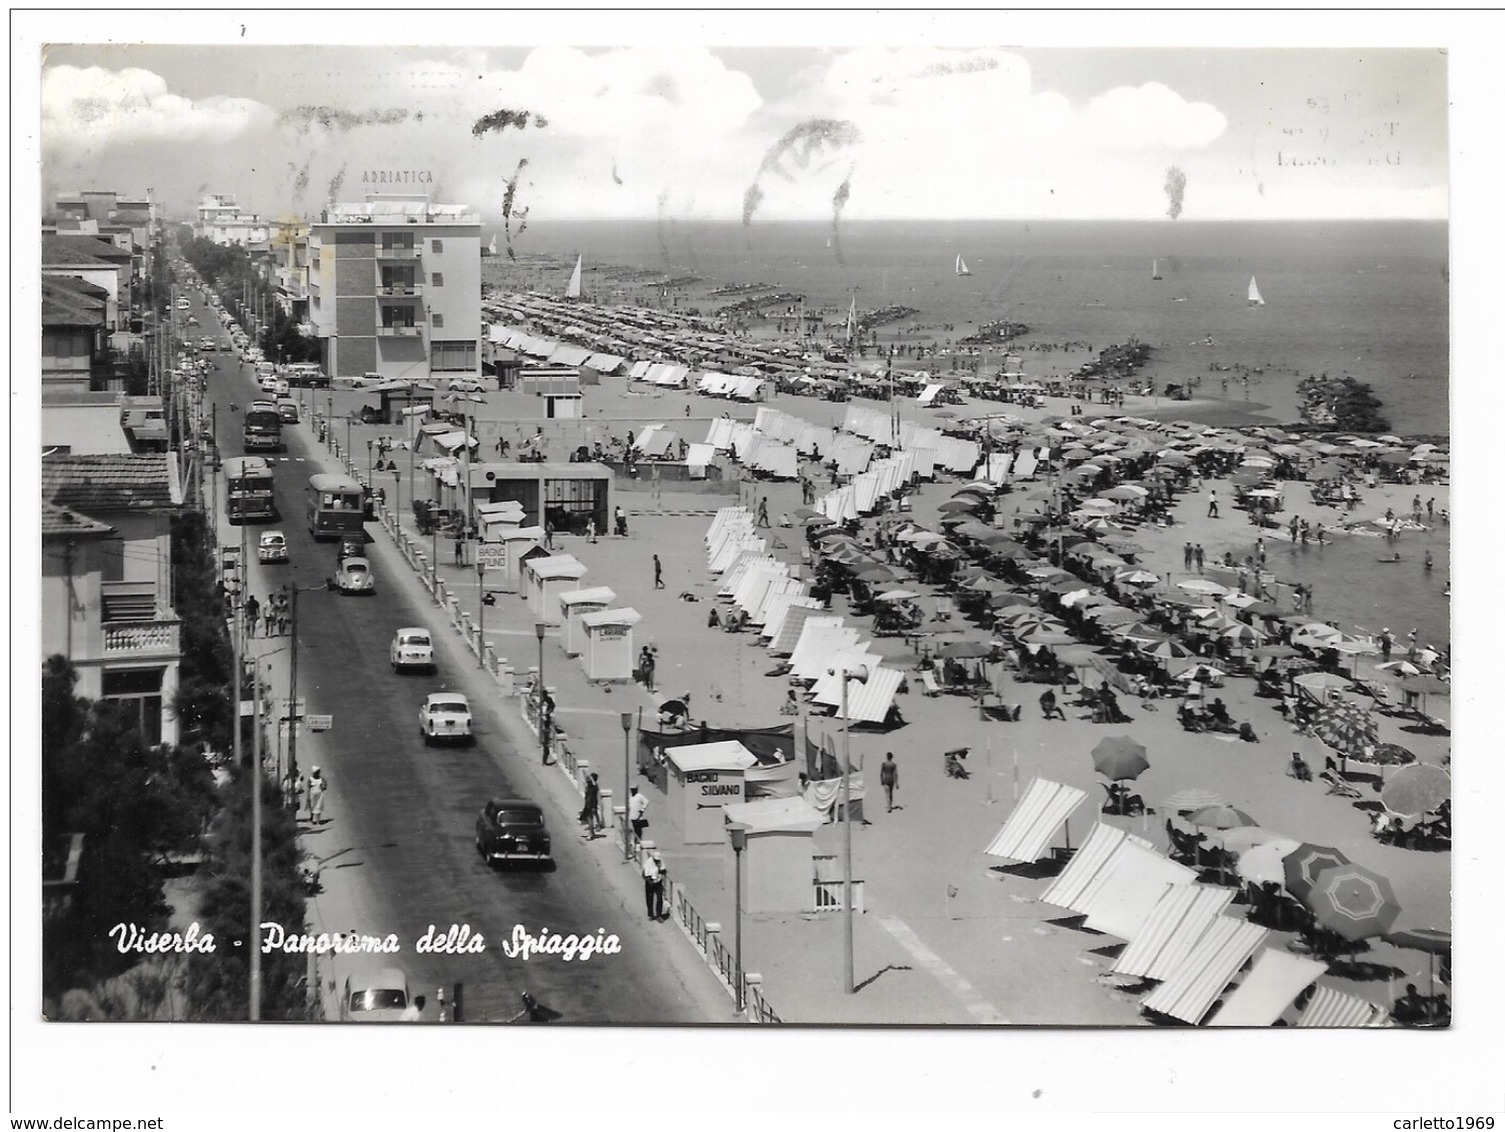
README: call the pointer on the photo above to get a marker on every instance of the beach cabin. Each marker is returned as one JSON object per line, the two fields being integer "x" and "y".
{"x": 608, "y": 654}
{"x": 778, "y": 864}
{"x": 504, "y": 549}
{"x": 575, "y": 604}
{"x": 544, "y": 579}
{"x": 567, "y": 497}
{"x": 557, "y": 386}
{"x": 704, "y": 778}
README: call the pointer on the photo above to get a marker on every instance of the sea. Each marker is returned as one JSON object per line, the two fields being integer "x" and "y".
{"x": 1367, "y": 299}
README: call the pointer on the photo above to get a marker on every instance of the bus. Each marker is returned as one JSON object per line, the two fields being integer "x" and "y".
{"x": 263, "y": 428}
{"x": 248, "y": 489}
{"x": 335, "y": 507}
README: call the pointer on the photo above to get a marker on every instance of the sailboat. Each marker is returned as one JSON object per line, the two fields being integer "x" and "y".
{"x": 852, "y": 320}
{"x": 1155, "y": 269}
{"x": 573, "y": 290}
{"x": 1255, "y": 300}
{"x": 490, "y": 249}
{"x": 961, "y": 267}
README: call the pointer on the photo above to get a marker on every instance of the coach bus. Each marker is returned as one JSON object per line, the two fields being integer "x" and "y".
{"x": 248, "y": 489}
{"x": 335, "y": 507}
{"x": 263, "y": 427}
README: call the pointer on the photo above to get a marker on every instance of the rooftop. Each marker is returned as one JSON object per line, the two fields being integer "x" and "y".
{"x": 104, "y": 484}
{"x": 59, "y": 521}
{"x": 72, "y": 251}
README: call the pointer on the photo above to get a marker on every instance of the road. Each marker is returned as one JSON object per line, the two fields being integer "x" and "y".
{"x": 398, "y": 853}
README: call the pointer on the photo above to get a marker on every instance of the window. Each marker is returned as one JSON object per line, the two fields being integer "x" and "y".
{"x": 139, "y": 691}
{"x": 438, "y": 321}
{"x": 453, "y": 355}
{"x": 438, "y": 278}
{"x": 438, "y": 246}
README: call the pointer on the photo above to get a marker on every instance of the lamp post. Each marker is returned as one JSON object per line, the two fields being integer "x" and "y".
{"x": 860, "y": 674}
{"x": 370, "y": 471}
{"x": 738, "y": 833}
{"x": 539, "y": 629}
{"x": 397, "y": 490}
{"x": 626, "y": 787}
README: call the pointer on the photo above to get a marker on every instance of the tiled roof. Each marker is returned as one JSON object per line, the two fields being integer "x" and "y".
{"x": 61, "y": 521}
{"x": 75, "y": 250}
{"x": 72, "y": 302}
{"x": 106, "y": 484}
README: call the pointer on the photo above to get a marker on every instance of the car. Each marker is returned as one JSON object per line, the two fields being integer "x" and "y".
{"x": 364, "y": 380}
{"x": 287, "y": 409}
{"x": 271, "y": 547}
{"x": 381, "y": 996}
{"x": 445, "y": 718}
{"x": 351, "y": 546}
{"x": 466, "y": 385}
{"x": 513, "y": 829}
{"x": 193, "y": 320}
{"x": 225, "y": 346}
{"x": 354, "y": 577}
{"x": 412, "y": 648}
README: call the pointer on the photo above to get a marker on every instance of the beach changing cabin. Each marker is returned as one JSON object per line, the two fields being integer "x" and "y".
{"x": 544, "y": 579}
{"x": 703, "y": 778}
{"x": 608, "y": 654}
{"x": 575, "y": 604}
{"x": 778, "y": 865}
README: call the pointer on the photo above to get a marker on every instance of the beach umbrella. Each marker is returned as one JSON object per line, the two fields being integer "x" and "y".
{"x": 1201, "y": 586}
{"x": 1434, "y": 941}
{"x": 1275, "y": 652}
{"x": 1389, "y": 754}
{"x": 989, "y": 585}
{"x": 1219, "y": 623}
{"x": 1074, "y": 656}
{"x": 1242, "y": 634}
{"x": 1041, "y": 635}
{"x": 1322, "y": 682}
{"x": 1119, "y": 758}
{"x": 1315, "y": 634}
{"x": 1200, "y": 672}
{"x": 1140, "y": 634}
{"x": 1136, "y": 577}
{"x": 1120, "y": 544}
{"x": 1263, "y": 608}
{"x": 1265, "y": 863}
{"x": 959, "y": 505}
{"x": 1107, "y": 616}
{"x": 1242, "y": 838}
{"x": 964, "y": 650}
{"x": 1009, "y": 601}
{"x": 1305, "y": 864}
{"x": 1417, "y": 789}
{"x": 1398, "y": 669}
{"x": 875, "y": 572}
{"x": 1125, "y": 493}
{"x": 1353, "y": 901}
{"x": 817, "y": 521}
{"x": 897, "y": 595}
{"x": 1220, "y": 816}
{"x": 1346, "y": 727}
{"x": 1168, "y": 649}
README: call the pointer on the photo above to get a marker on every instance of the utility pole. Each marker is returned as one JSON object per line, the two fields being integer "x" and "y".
{"x": 294, "y": 715}
{"x": 254, "y": 777}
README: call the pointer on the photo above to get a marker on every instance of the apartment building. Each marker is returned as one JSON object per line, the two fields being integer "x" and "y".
{"x": 221, "y": 220}
{"x": 394, "y": 286}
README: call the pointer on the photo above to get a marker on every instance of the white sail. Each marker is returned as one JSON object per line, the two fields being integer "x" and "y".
{"x": 1255, "y": 300}
{"x": 852, "y": 318}
{"x": 961, "y": 267}
{"x": 573, "y": 290}
{"x": 492, "y": 249}
{"x": 1155, "y": 269}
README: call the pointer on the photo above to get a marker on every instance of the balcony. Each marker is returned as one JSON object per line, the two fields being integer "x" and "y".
{"x": 400, "y": 290}
{"x": 141, "y": 638}
{"x": 399, "y": 331}
{"x": 397, "y": 251}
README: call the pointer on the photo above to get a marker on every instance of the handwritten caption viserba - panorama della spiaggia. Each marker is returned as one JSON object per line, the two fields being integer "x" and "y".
{"x": 457, "y": 939}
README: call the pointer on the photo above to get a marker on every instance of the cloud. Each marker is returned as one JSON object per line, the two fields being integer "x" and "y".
{"x": 97, "y": 107}
{"x": 1151, "y": 116}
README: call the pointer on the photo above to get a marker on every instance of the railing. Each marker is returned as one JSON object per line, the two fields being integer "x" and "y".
{"x": 398, "y": 331}
{"x": 155, "y": 638}
{"x": 705, "y": 935}
{"x": 830, "y": 896}
{"x": 758, "y": 1009}
{"x": 397, "y": 251}
{"x": 400, "y": 290}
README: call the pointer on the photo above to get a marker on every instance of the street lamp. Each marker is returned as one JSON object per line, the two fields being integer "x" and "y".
{"x": 370, "y": 471}
{"x": 539, "y": 629}
{"x": 738, "y": 833}
{"x": 859, "y": 674}
{"x": 626, "y": 785}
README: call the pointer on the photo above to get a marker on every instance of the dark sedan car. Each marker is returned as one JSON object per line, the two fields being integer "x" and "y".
{"x": 511, "y": 829}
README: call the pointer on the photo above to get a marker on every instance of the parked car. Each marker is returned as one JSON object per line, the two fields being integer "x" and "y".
{"x": 272, "y": 547}
{"x": 381, "y": 996}
{"x": 287, "y": 409}
{"x": 512, "y": 829}
{"x": 466, "y": 385}
{"x": 412, "y": 648}
{"x": 354, "y": 577}
{"x": 445, "y": 717}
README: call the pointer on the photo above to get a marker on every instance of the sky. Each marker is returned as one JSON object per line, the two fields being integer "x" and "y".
{"x": 942, "y": 125}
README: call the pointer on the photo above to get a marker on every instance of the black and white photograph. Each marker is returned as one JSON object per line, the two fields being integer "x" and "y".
{"x": 657, "y": 526}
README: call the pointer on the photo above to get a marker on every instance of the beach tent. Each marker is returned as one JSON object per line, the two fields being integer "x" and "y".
{"x": 784, "y": 642}
{"x": 1189, "y": 992}
{"x": 822, "y": 639}
{"x": 1331, "y": 1008}
{"x": 1172, "y": 929}
{"x": 1045, "y": 808}
{"x": 1129, "y": 887}
{"x": 867, "y": 701}
{"x": 1072, "y": 882}
{"x": 1271, "y": 985}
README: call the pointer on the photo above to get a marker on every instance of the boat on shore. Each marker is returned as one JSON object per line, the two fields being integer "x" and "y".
{"x": 961, "y": 267}
{"x": 1255, "y": 298}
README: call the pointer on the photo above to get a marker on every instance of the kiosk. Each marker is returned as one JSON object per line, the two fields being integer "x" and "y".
{"x": 546, "y": 578}
{"x": 575, "y": 604}
{"x": 703, "y": 778}
{"x": 608, "y": 654}
{"x": 779, "y": 861}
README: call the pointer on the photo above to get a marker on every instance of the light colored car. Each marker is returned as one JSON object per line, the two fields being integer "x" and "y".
{"x": 354, "y": 577}
{"x": 379, "y": 997}
{"x": 466, "y": 385}
{"x": 271, "y": 547}
{"x": 445, "y": 718}
{"x": 412, "y": 648}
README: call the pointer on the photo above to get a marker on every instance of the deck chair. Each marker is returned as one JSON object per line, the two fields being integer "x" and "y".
{"x": 932, "y": 685}
{"x": 1337, "y": 784}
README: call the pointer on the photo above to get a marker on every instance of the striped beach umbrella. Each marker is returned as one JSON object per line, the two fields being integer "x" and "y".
{"x": 1220, "y": 816}
{"x": 1346, "y": 727}
{"x": 1303, "y": 866}
{"x": 1264, "y": 863}
{"x": 1353, "y": 902}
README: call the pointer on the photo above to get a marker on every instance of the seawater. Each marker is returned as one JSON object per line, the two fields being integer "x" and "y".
{"x": 1364, "y": 298}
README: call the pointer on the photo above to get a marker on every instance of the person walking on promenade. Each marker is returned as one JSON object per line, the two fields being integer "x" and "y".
{"x": 253, "y": 608}
{"x": 1387, "y": 643}
{"x": 621, "y": 522}
{"x": 268, "y": 618}
{"x": 590, "y": 813}
{"x": 317, "y": 784}
{"x": 1430, "y": 502}
{"x": 1411, "y": 646}
{"x": 637, "y": 811}
{"x": 653, "y": 885}
{"x": 590, "y": 529}
{"x": 646, "y": 664}
{"x": 1212, "y": 504}
{"x": 1259, "y": 550}
{"x": 1199, "y": 555}
{"x": 1187, "y": 555}
{"x": 658, "y": 573}
{"x": 763, "y": 512}
{"x": 1295, "y": 528}
{"x": 459, "y": 549}
{"x": 888, "y": 775}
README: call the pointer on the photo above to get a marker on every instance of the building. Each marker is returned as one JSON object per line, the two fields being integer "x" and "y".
{"x": 75, "y": 348}
{"x": 82, "y": 422}
{"x": 107, "y": 579}
{"x": 289, "y": 259}
{"x": 221, "y": 220}
{"x": 394, "y": 288}
{"x": 95, "y": 260}
{"x": 566, "y": 497}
